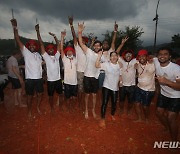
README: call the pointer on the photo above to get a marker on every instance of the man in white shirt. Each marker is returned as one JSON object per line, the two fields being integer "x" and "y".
{"x": 51, "y": 57}
{"x": 15, "y": 77}
{"x": 91, "y": 72}
{"x": 70, "y": 71}
{"x": 168, "y": 75}
{"x": 33, "y": 69}
{"x": 81, "y": 62}
{"x": 127, "y": 87}
{"x": 146, "y": 85}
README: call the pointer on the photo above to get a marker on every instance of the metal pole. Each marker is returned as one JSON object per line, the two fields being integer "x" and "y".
{"x": 156, "y": 19}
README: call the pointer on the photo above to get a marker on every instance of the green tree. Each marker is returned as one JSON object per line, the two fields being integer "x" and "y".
{"x": 134, "y": 33}
{"x": 175, "y": 42}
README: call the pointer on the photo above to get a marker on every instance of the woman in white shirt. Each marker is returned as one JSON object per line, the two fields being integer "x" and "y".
{"x": 110, "y": 85}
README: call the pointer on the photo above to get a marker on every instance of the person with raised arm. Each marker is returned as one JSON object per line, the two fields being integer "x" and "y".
{"x": 70, "y": 71}
{"x": 110, "y": 85}
{"x": 91, "y": 72}
{"x": 51, "y": 58}
{"x": 81, "y": 61}
{"x": 33, "y": 69}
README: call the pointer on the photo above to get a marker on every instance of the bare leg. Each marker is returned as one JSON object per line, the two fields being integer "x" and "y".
{"x": 162, "y": 117}
{"x": 173, "y": 124}
{"x": 86, "y": 105}
{"x": 94, "y": 105}
{"x": 39, "y": 100}
{"x": 51, "y": 103}
{"x": 29, "y": 105}
{"x": 121, "y": 105}
{"x": 138, "y": 112}
{"x": 16, "y": 97}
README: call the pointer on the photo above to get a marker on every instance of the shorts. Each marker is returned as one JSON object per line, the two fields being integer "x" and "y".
{"x": 143, "y": 97}
{"x": 15, "y": 83}
{"x": 90, "y": 85}
{"x": 101, "y": 78}
{"x": 170, "y": 104}
{"x": 32, "y": 85}
{"x": 80, "y": 77}
{"x": 53, "y": 86}
{"x": 70, "y": 90}
{"x": 128, "y": 91}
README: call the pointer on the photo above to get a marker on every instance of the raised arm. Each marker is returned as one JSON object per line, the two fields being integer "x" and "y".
{"x": 55, "y": 38}
{"x": 122, "y": 44}
{"x": 63, "y": 34}
{"x": 114, "y": 36}
{"x": 98, "y": 63}
{"x": 16, "y": 34}
{"x": 92, "y": 42}
{"x": 80, "y": 30}
{"x": 39, "y": 39}
{"x": 70, "y": 18}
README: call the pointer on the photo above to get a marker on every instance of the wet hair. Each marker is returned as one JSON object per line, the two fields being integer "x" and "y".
{"x": 97, "y": 41}
{"x": 113, "y": 52}
{"x": 165, "y": 48}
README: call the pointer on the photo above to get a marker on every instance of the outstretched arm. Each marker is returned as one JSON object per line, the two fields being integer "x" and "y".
{"x": 98, "y": 64}
{"x": 63, "y": 34}
{"x": 122, "y": 44}
{"x": 39, "y": 39}
{"x": 16, "y": 34}
{"x": 80, "y": 30}
{"x": 72, "y": 30}
{"x": 92, "y": 42}
{"x": 114, "y": 36}
{"x": 55, "y": 38}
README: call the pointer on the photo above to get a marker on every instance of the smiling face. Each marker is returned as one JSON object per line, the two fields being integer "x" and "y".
{"x": 128, "y": 56}
{"x": 164, "y": 56}
{"x": 97, "y": 47}
{"x": 105, "y": 45}
{"x": 51, "y": 51}
{"x": 114, "y": 57}
{"x": 143, "y": 59}
{"x": 69, "y": 53}
{"x": 32, "y": 47}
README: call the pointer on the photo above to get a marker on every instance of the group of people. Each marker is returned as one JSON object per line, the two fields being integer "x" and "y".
{"x": 100, "y": 66}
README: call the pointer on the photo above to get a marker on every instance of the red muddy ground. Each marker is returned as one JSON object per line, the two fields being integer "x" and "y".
{"x": 70, "y": 133}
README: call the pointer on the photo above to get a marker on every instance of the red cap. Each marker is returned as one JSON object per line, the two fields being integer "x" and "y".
{"x": 69, "y": 49}
{"x": 141, "y": 53}
{"x": 51, "y": 46}
{"x": 32, "y": 42}
{"x": 127, "y": 51}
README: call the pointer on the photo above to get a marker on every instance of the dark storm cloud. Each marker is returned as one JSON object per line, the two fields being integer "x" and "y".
{"x": 81, "y": 9}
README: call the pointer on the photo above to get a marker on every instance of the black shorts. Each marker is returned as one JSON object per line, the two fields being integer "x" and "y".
{"x": 15, "y": 83}
{"x": 70, "y": 90}
{"x": 53, "y": 86}
{"x": 143, "y": 97}
{"x": 127, "y": 91}
{"x": 170, "y": 104}
{"x": 32, "y": 85}
{"x": 90, "y": 84}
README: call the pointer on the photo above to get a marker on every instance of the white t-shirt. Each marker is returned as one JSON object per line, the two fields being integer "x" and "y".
{"x": 53, "y": 67}
{"x": 3, "y": 77}
{"x": 112, "y": 74}
{"x": 171, "y": 72}
{"x": 106, "y": 56}
{"x": 146, "y": 77}
{"x": 91, "y": 70}
{"x": 70, "y": 70}
{"x": 33, "y": 64}
{"x": 12, "y": 62}
{"x": 128, "y": 72}
{"x": 81, "y": 58}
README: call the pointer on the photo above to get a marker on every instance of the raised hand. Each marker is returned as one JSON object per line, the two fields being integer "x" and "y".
{"x": 115, "y": 27}
{"x": 124, "y": 40}
{"x": 70, "y": 18}
{"x": 37, "y": 27}
{"x": 52, "y": 34}
{"x": 63, "y": 33}
{"x": 81, "y": 27}
{"x": 14, "y": 22}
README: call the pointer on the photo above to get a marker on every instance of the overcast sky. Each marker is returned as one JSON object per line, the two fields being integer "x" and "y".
{"x": 98, "y": 15}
